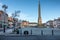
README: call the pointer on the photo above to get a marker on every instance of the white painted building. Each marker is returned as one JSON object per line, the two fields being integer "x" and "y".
{"x": 53, "y": 23}
{"x": 32, "y": 24}
{"x": 56, "y": 23}
{"x": 49, "y": 24}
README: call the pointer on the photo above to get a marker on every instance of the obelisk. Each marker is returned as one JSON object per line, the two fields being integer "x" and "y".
{"x": 39, "y": 15}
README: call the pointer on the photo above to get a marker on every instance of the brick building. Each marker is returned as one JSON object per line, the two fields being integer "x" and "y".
{"x": 3, "y": 18}
{"x": 24, "y": 23}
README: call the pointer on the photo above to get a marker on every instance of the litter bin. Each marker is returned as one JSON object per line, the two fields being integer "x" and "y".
{"x": 26, "y": 32}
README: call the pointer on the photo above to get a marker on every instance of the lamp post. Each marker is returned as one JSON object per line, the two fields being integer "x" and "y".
{"x": 4, "y": 7}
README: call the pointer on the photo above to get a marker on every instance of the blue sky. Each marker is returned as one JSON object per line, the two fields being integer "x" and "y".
{"x": 50, "y": 9}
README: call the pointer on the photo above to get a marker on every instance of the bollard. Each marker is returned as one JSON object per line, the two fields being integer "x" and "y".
{"x": 52, "y": 33}
{"x": 17, "y": 31}
{"x": 31, "y": 32}
{"x": 4, "y": 29}
{"x": 42, "y": 32}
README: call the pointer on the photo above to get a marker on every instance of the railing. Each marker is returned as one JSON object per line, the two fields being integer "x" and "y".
{"x": 40, "y": 32}
{"x": 34, "y": 34}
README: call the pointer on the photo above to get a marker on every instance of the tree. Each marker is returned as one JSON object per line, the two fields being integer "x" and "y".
{"x": 14, "y": 15}
{"x": 5, "y": 7}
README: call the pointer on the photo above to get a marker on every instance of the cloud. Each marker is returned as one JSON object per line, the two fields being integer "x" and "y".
{"x": 23, "y": 16}
{"x": 1, "y": 4}
{"x": 27, "y": 17}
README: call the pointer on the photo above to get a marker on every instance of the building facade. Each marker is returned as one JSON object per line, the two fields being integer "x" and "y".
{"x": 24, "y": 23}
{"x": 10, "y": 22}
{"x": 3, "y": 19}
{"x": 49, "y": 24}
{"x": 28, "y": 24}
{"x": 56, "y": 23}
{"x": 32, "y": 24}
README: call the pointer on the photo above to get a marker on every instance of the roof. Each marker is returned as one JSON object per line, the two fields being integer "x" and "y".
{"x": 3, "y": 12}
{"x": 24, "y": 21}
{"x": 32, "y": 23}
{"x": 10, "y": 18}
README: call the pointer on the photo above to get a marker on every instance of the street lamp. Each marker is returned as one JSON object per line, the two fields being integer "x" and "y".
{"x": 4, "y": 7}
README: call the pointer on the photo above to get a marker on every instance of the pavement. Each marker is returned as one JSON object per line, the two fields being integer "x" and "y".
{"x": 6, "y": 31}
{"x": 1, "y": 29}
{"x": 28, "y": 37}
{"x": 7, "y": 36}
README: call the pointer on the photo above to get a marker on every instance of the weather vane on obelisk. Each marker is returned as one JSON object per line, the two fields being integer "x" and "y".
{"x": 39, "y": 15}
